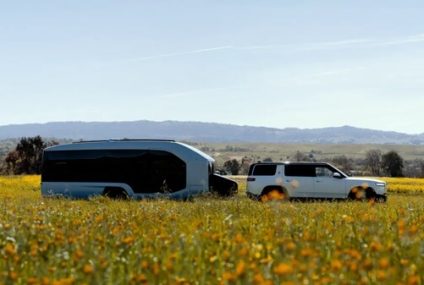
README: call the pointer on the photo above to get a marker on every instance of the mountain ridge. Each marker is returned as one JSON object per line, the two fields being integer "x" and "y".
{"x": 206, "y": 132}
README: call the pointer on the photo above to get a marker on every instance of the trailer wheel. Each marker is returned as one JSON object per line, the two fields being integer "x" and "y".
{"x": 116, "y": 193}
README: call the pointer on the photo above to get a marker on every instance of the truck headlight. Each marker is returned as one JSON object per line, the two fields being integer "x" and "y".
{"x": 381, "y": 184}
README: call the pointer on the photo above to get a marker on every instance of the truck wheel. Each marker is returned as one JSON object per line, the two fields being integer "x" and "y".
{"x": 381, "y": 199}
{"x": 361, "y": 194}
{"x": 271, "y": 193}
{"x": 370, "y": 194}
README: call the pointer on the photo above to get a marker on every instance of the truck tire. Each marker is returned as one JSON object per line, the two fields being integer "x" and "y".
{"x": 270, "y": 193}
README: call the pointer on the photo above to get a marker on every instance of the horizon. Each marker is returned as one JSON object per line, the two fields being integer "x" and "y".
{"x": 202, "y": 122}
{"x": 275, "y": 64}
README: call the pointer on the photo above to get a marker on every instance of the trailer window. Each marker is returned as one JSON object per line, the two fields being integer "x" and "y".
{"x": 145, "y": 171}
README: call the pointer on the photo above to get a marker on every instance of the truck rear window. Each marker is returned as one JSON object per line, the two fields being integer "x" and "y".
{"x": 265, "y": 170}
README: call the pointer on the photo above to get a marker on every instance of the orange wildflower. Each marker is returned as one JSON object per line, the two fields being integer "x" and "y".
{"x": 156, "y": 269}
{"x": 307, "y": 252}
{"x": 291, "y": 246}
{"x": 384, "y": 263}
{"x": 142, "y": 278}
{"x": 88, "y": 269}
{"x": 376, "y": 246}
{"x": 275, "y": 195}
{"x": 13, "y": 275}
{"x": 239, "y": 238}
{"x": 367, "y": 264}
{"x": 128, "y": 240}
{"x": 10, "y": 249}
{"x": 414, "y": 280}
{"x": 283, "y": 269}
{"x": 32, "y": 281}
{"x": 336, "y": 265}
{"x": 78, "y": 254}
{"x": 228, "y": 276}
{"x": 381, "y": 275}
{"x": 240, "y": 268}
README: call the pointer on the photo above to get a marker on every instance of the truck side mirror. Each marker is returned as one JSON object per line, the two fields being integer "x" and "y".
{"x": 337, "y": 175}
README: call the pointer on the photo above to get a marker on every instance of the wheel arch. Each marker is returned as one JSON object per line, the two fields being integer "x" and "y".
{"x": 370, "y": 193}
{"x": 116, "y": 192}
{"x": 277, "y": 189}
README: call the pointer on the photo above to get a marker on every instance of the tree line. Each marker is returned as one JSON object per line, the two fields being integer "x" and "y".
{"x": 375, "y": 164}
{"x": 26, "y": 158}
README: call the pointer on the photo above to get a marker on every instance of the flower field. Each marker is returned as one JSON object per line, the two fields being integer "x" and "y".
{"x": 208, "y": 240}
{"x": 405, "y": 185}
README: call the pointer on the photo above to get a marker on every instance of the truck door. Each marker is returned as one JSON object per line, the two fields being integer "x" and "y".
{"x": 327, "y": 185}
{"x": 299, "y": 179}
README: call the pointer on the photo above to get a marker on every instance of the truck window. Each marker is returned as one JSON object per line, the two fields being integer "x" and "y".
{"x": 323, "y": 171}
{"x": 299, "y": 170}
{"x": 265, "y": 170}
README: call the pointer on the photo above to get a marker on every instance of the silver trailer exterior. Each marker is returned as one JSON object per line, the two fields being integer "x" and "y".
{"x": 137, "y": 168}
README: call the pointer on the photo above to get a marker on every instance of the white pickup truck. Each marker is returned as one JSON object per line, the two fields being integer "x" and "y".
{"x": 295, "y": 180}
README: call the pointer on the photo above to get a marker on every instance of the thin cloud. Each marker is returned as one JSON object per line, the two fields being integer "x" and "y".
{"x": 344, "y": 44}
{"x": 402, "y": 41}
{"x": 187, "y": 93}
{"x": 368, "y": 43}
{"x": 258, "y": 47}
{"x": 336, "y": 44}
{"x": 176, "y": 54}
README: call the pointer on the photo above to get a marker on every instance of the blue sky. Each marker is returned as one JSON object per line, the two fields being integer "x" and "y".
{"x": 303, "y": 64}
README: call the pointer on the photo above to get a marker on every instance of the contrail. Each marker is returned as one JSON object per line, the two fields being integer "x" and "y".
{"x": 205, "y": 50}
{"x": 361, "y": 43}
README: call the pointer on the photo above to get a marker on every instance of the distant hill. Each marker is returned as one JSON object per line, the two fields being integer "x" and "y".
{"x": 207, "y": 132}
